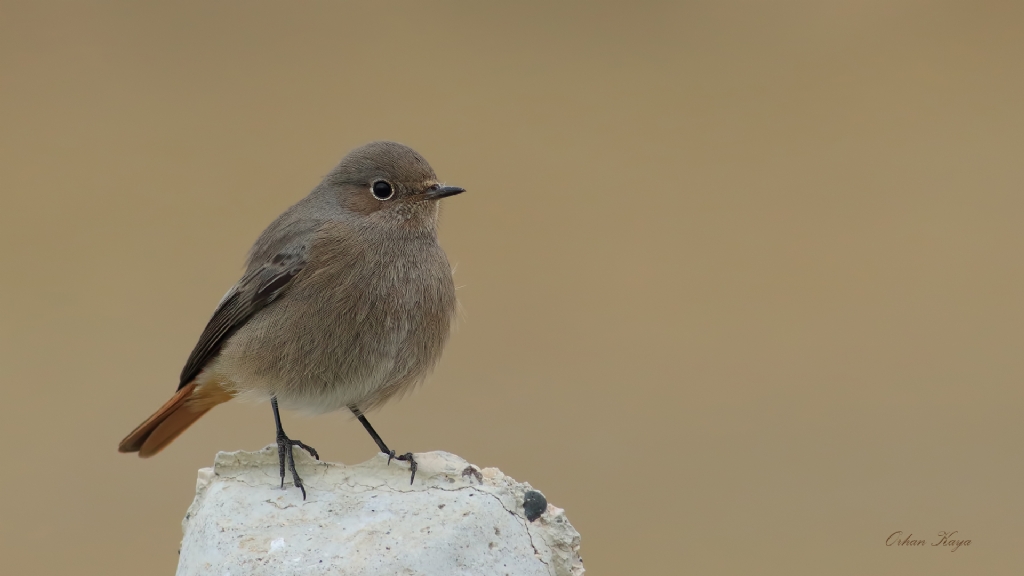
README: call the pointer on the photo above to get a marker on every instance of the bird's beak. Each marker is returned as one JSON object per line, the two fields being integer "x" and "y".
{"x": 444, "y": 192}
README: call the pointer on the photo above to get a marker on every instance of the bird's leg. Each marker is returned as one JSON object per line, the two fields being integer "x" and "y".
{"x": 407, "y": 457}
{"x": 284, "y": 450}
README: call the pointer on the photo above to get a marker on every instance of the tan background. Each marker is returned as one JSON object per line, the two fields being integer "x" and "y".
{"x": 742, "y": 284}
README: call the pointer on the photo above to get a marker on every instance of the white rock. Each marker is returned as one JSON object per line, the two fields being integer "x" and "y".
{"x": 367, "y": 519}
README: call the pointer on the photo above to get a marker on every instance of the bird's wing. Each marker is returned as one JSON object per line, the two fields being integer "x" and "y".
{"x": 260, "y": 286}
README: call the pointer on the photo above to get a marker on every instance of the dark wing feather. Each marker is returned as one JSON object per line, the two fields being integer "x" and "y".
{"x": 258, "y": 288}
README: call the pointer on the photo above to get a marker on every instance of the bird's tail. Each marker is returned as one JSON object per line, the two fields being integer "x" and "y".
{"x": 184, "y": 408}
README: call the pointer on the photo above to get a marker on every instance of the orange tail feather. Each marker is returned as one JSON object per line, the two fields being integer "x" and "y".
{"x": 173, "y": 418}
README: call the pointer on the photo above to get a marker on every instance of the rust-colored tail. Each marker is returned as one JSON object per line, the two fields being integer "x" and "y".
{"x": 184, "y": 408}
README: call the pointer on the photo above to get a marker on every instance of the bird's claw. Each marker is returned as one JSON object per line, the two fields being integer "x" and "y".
{"x": 407, "y": 457}
{"x": 284, "y": 454}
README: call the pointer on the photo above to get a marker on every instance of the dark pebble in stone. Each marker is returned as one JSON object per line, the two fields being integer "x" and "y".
{"x": 534, "y": 504}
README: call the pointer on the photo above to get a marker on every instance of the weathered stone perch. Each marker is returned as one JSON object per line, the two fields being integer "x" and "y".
{"x": 366, "y": 519}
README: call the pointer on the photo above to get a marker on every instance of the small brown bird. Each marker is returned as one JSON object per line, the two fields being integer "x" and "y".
{"x": 346, "y": 302}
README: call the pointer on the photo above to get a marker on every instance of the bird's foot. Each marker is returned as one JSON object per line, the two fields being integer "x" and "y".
{"x": 284, "y": 453}
{"x": 407, "y": 457}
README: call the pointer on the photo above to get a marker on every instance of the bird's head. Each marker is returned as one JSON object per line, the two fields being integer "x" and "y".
{"x": 389, "y": 183}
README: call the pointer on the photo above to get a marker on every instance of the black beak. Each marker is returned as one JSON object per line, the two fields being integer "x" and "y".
{"x": 444, "y": 192}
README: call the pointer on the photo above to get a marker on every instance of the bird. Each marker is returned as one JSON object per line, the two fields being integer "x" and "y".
{"x": 347, "y": 301}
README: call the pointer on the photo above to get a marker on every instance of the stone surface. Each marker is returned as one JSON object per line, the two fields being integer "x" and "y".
{"x": 366, "y": 519}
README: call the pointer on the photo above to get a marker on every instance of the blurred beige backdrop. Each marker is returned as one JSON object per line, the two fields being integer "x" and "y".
{"x": 741, "y": 282}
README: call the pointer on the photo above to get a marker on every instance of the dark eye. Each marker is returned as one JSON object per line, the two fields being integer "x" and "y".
{"x": 382, "y": 190}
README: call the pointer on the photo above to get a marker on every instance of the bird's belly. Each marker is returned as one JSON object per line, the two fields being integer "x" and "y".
{"x": 349, "y": 352}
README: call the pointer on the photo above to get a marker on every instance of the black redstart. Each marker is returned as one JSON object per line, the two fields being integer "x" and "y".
{"x": 346, "y": 302}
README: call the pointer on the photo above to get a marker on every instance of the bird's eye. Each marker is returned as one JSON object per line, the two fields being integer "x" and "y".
{"x": 382, "y": 190}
